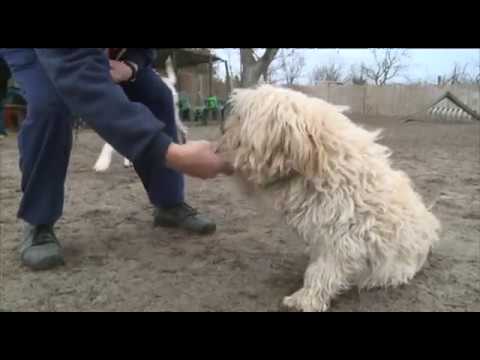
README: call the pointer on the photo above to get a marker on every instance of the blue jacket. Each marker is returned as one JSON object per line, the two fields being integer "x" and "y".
{"x": 141, "y": 56}
{"x": 82, "y": 79}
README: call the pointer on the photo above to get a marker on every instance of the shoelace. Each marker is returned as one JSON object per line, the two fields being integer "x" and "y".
{"x": 44, "y": 235}
{"x": 190, "y": 210}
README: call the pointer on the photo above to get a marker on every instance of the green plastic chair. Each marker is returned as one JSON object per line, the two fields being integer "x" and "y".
{"x": 212, "y": 103}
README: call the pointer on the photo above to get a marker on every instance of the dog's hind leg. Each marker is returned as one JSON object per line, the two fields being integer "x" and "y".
{"x": 105, "y": 158}
{"x": 126, "y": 163}
{"x": 323, "y": 281}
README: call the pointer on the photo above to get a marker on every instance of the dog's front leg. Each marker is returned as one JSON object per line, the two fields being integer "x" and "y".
{"x": 323, "y": 280}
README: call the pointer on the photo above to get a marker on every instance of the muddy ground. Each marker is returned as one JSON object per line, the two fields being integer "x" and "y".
{"x": 117, "y": 261}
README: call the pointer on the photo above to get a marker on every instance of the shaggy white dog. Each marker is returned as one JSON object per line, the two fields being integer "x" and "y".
{"x": 105, "y": 158}
{"x": 363, "y": 223}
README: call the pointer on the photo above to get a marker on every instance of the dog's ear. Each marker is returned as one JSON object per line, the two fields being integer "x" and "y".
{"x": 302, "y": 147}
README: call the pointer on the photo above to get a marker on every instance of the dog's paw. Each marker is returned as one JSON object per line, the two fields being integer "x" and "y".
{"x": 291, "y": 303}
{"x": 127, "y": 163}
{"x": 282, "y": 307}
{"x": 306, "y": 301}
{"x": 101, "y": 165}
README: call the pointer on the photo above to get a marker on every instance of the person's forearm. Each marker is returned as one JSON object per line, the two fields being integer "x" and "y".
{"x": 82, "y": 79}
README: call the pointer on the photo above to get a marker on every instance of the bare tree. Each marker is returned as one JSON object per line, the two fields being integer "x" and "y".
{"x": 477, "y": 71}
{"x": 232, "y": 56}
{"x": 272, "y": 74}
{"x": 331, "y": 72}
{"x": 356, "y": 75}
{"x": 388, "y": 64}
{"x": 290, "y": 65}
{"x": 458, "y": 75}
{"x": 254, "y": 66}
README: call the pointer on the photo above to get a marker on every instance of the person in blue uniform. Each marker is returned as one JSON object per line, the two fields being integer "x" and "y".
{"x": 119, "y": 96}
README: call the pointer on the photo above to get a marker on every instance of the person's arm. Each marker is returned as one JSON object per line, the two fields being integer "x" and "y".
{"x": 131, "y": 62}
{"x": 141, "y": 57}
{"x": 82, "y": 79}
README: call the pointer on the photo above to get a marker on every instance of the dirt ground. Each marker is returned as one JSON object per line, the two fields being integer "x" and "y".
{"x": 117, "y": 261}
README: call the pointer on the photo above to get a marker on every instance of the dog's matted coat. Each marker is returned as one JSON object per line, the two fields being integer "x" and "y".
{"x": 363, "y": 223}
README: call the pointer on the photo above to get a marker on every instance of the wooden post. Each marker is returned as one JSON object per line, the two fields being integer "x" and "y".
{"x": 228, "y": 80}
{"x": 364, "y": 98}
{"x": 174, "y": 64}
{"x": 210, "y": 77}
{"x": 229, "y": 86}
{"x": 210, "y": 88}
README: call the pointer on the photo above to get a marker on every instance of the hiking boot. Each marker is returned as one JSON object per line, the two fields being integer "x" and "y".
{"x": 185, "y": 217}
{"x": 40, "y": 249}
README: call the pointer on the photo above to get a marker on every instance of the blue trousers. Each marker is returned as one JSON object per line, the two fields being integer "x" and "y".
{"x": 45, "y": 138}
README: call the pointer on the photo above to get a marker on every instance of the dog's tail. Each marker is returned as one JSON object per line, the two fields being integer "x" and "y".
{"x": 170, "y": 71}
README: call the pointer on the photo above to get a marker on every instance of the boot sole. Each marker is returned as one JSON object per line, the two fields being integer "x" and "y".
{"x": 46, "y": 264}
{"x": 206, "y": 230}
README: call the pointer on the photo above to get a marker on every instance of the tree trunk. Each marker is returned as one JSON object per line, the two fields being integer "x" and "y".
{"x": 253, "y": 69}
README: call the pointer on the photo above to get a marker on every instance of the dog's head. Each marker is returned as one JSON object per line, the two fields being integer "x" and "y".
{"x": 274, "y": 133}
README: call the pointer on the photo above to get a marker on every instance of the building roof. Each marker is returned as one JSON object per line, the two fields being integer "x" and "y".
{"x": 185, "y": 57}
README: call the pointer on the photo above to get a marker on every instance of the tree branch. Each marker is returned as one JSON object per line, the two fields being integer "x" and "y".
{"x": 387, "y": 67}
{"x": 253, "y": 69}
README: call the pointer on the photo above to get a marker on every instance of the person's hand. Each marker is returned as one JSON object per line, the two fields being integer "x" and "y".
{"x": 197, "y": 159}
{"x": 119, "y": 71}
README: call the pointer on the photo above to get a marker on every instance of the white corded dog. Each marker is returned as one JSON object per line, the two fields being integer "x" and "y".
{"x": 362, "y": 222}
{"x": 105, "y": 158}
